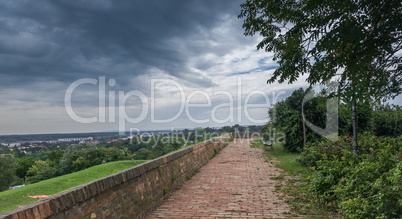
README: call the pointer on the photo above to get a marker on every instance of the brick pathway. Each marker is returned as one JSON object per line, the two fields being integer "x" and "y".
{"x": 236, "y": 183}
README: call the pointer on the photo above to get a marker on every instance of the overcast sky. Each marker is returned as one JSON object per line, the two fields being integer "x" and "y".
{"x": 88, "y": 66}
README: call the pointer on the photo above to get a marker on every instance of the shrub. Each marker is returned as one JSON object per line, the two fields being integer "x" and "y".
{"x": 373, "y": 188}
{"x": 368, "y": 186}
{"x": 317, "y": 151}
{"x": 387, "y": 121}
{"x": 328, "y": 172}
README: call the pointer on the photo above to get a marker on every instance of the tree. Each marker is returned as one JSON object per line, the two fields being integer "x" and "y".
{"x": 7, "y": 172}
{"x": 54, "y": 156}
{"x": 143, "y": 154}
{"x": 23, "y": 164}
{"x": 40, "y": 170}
{"x": 17, "y": 152}
{"x": 387, "y": 121}
{"x": 77, "y": 154}
{"x": 80, "y": 164}
{"x": 114, "y": 154}
{"x": 286, "y": 116}
{"x": 354, "y": 42}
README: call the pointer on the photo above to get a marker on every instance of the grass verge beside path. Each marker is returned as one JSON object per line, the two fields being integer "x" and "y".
{"x": 12, "y": 199}
{"x": 293, "y": 182}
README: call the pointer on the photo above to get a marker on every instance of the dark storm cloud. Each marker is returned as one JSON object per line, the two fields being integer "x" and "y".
{"x": 68, "y": 40}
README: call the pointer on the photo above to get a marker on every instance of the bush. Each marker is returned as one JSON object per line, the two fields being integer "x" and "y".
{"x": 317, "y": 151}
{"x": 387, "y": 121}
{"x": 368, "y": 144}
{"x": 328, "y": 172}
{"x": 368, "y": 186}
{"x": 368, "y": 192}
{"x": 372, "y": 188}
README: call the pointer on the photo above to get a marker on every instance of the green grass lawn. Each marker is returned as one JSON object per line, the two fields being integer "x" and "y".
{"x": 284, "y": 159}
{"x": 12, "y": 199}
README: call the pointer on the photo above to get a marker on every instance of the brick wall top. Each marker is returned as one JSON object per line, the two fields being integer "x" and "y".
{"x": 65, "y": 200}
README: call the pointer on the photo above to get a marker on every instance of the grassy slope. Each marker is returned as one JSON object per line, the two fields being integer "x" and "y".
{"x": 11, "y": 199}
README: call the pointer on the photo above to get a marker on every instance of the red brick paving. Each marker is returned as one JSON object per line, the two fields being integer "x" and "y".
{"x": 235, "y": 184}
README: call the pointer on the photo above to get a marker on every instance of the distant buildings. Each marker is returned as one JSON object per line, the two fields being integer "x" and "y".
{"x": 93, "y": 142}
{"x": 11, "y": 144}
{"x": 74, "y": 139}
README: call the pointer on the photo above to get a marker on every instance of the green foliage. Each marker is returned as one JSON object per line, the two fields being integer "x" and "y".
{"x": 40, "y": 170}
{"x": 286, "y": 117}
{"x": 315, "y": 152}
{"x": 387, "y": 121}
{"x": 368, "y": 186}
{"x": 7, "y": 172}
{"x": 371, "y": 190}
{"x": 54, "y": 156}
{"x": 359, "y": 40}
{"x": 329, "y": 171}
{"x": 59, "y": 162}
{"x": 23, "y": 164}
{"x": 143, "y": 153}
{"x": 166, "y": 191}
{"x": 79, "y": 157}
{"x": 80, "y": 164}
{"x": 113, "y": 154}
{"x": 364, "y": 115}
{"x": 17, "y": 153}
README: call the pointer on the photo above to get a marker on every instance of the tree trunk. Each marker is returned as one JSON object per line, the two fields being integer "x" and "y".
{"x": 354, "y": 118}
{"x": 304, "y": 128}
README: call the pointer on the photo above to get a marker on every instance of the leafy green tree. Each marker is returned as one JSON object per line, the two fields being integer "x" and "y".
{"x": 387, "y": 121}
{"x": 177, "y": 142}
{"x": 354, "y": 42}
{"x": 7, "y": 172}
{"x": 158, "y": 148}
{"x": 54, "y": 156}
{"x": 286, "y": 116}
{"x": 79, "y": 164}
{"x": 113, "y": 154}
{"x": 17, "y": 153}
{"x": 143, "y": 154}
{"x": 90, "y": 153}
{"x": 40, "y": 170}
{"x": 135, "y": 146}
{"x": 365, "y": 115}
{"x": 118, "y": 144}
{"x": 23, "y": 164}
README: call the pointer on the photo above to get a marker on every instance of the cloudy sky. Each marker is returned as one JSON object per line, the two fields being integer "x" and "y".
{"x": 87, "y": 66}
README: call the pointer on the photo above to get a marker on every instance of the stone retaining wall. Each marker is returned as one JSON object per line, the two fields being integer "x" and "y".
{"x": 132, "y": 193}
